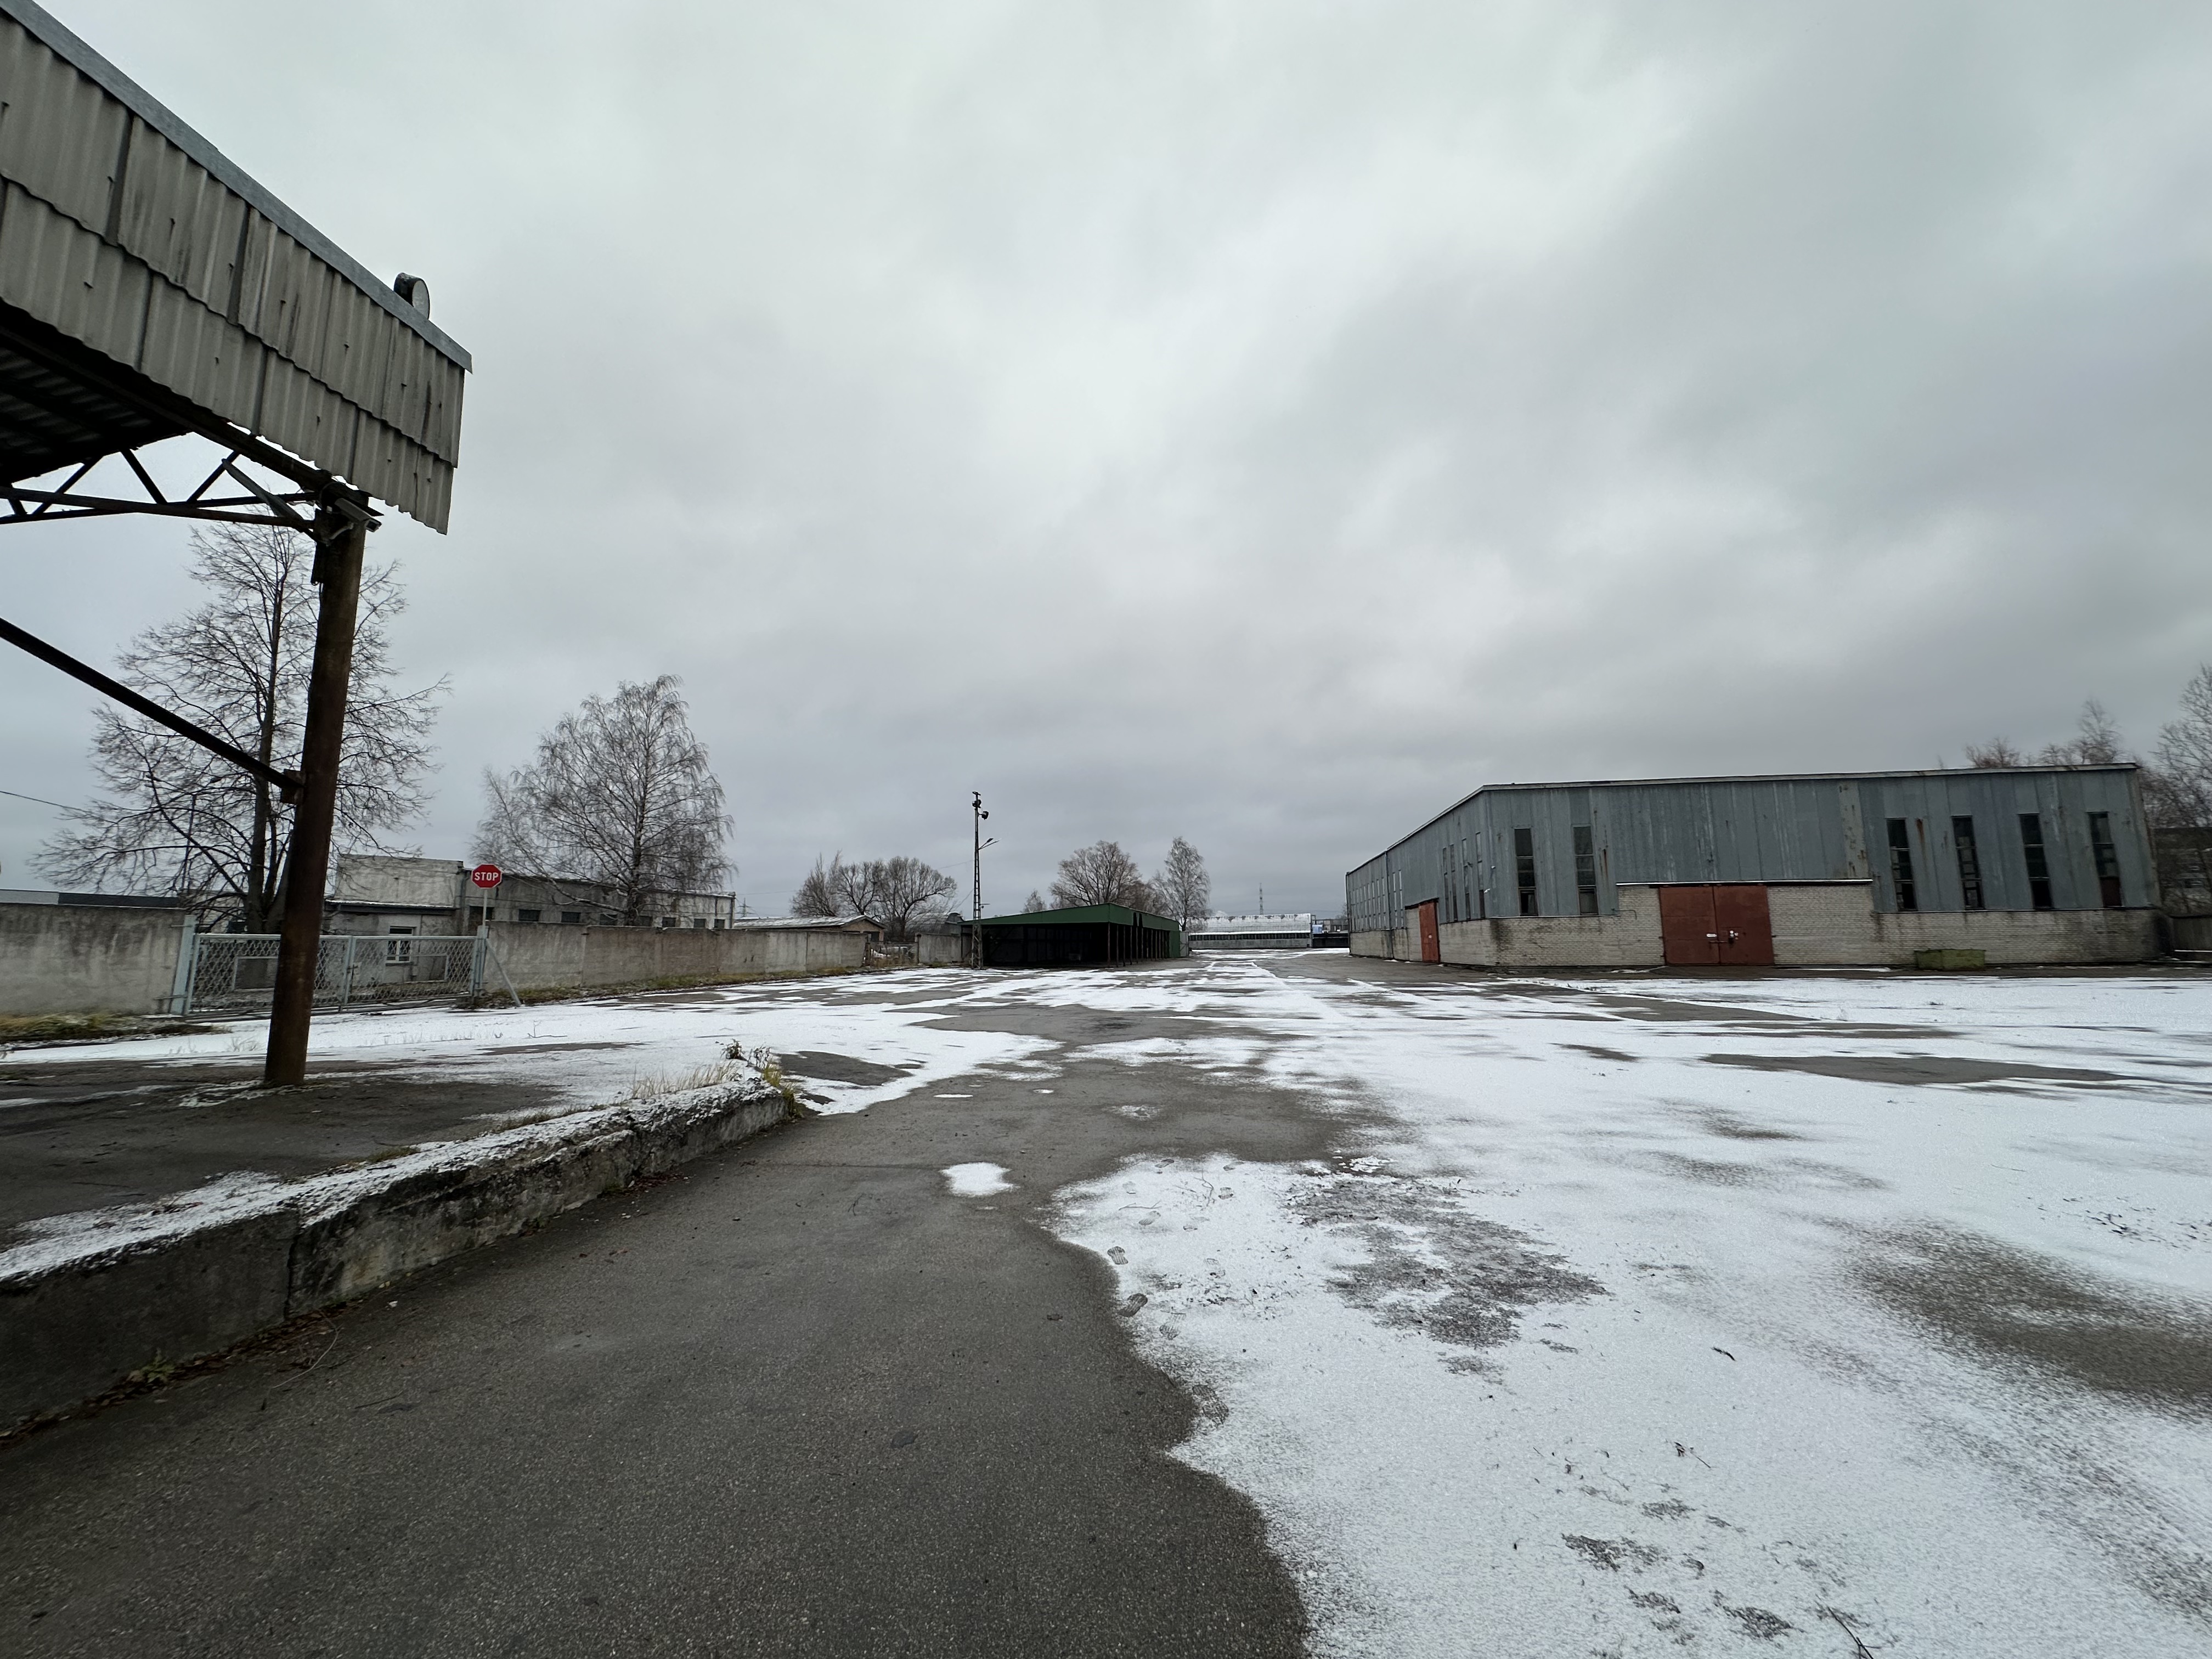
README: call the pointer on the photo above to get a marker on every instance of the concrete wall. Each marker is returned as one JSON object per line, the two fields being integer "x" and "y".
{"x": 538, "y": 958}
{"x": 1839, "y": 925}
{"x": 939, "y": 949}
{"x": 1815, "y": 925}
{"x": 2192, "y": 932}
{"x": 83, "y": 959}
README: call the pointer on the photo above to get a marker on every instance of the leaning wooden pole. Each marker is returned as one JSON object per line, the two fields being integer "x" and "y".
{"x": 341, "y": 540}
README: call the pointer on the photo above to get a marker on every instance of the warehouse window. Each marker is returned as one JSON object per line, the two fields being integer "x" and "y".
{"x": 1970, "y": 862}
{"x": 1524, "y": 867}
{"x": 1451, "y": 887}
{"x": 527, "y": 915}
{"x": 572, "y": 918}
{"x": 2038, "y": 866}
{"x": 1900, "y": 864}
{"x": 2108, "y": 858}
{"x": 1585, "y": 869}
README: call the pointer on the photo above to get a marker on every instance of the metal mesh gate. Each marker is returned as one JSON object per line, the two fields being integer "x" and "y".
{"x": 234, "y": 971}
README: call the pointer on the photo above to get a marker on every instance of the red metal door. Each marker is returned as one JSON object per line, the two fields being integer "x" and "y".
{"x": 1431, "y": 949}
{"x": 1685, "y": 926}
{"x": 1745, "y": 930}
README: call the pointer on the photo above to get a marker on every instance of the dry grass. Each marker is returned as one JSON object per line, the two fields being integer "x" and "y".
{"x": 712, "y": 1075}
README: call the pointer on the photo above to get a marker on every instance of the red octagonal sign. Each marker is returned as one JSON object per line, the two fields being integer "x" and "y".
{"x": 486, "y": 875}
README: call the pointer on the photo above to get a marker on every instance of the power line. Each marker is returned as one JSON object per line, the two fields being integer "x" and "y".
{"x": 56, "y": 804}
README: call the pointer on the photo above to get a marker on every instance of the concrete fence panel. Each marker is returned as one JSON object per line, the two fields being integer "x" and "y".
{"x": 83, "y": 959}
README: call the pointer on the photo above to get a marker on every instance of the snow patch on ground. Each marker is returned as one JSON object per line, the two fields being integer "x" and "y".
{"x": 589, "y": 1050}
{"x": 977, "y": 1179}
{"x": 1639, "y": 1313}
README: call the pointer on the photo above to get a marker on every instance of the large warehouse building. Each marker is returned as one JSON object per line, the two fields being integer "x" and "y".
{"x": 2026, "y": 865}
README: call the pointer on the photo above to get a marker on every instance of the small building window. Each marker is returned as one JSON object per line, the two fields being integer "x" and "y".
{"x": 1970, "y": 862}
{"x": 668, "y": 921}
{"x": 1900, "y": 864}
{"x": 528, "y": 915}
{"x": 1524, "y": 868}
{"x": 2038, "y": 866}
{"x": 1585, "y": 869}
{"x": 400, "y": 946}
{"x": 699, "y": 921}
{"x": 572, "y": 918}
{"x": 2108, "y": 859}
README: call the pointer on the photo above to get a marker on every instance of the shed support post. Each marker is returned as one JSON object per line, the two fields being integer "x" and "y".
{"x": 342, "y": 539}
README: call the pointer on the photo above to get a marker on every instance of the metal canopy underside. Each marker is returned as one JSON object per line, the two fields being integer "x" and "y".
{"x": 148, "y": 287}
{"x": 59, "y": 405}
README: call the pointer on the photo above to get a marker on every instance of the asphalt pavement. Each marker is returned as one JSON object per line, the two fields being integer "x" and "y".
{"x": 796, "y": 1399}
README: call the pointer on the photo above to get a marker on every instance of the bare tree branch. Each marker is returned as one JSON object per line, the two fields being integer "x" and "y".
{"x": 172, "y": 817}
{"x": 620, "y": 798}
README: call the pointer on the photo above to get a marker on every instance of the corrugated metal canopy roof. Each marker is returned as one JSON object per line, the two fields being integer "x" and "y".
{"x": 147, "y": 283}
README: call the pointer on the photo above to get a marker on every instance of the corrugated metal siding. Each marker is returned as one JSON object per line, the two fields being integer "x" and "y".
{"x": 1766, "y": 829}
{"x": 180, "y": 276}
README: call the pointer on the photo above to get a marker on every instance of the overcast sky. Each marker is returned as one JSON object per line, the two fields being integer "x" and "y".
{"x": 1260, "y": 421}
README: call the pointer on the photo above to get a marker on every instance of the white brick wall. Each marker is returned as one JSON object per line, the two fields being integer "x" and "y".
{"x": 1821, "y": 924}
{"x": 1839, "y": 925}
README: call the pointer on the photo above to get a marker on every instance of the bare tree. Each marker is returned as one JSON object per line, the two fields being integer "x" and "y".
{"x": 886, "y": 891}
{"x": 2178, "y": 797}
{"x": 1102, "y": 874}
{"x": 1182, "y": 889}
{"x": 1998, "y": 751}
{"x": 2096, "y": 741}
{"x": 173, "y": 818}
{"x": 1033, "y": 903}
{"x": 820, "y": 894}
{"x": 898, "y": 888}
{"x": 619, "y": 796}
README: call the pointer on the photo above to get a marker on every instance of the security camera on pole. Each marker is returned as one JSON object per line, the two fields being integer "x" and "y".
{"x": 976, "y": 947}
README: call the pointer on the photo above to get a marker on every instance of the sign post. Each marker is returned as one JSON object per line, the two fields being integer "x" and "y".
{"x": 487, "y": 877}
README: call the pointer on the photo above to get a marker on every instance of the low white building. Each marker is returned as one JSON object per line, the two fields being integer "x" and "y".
{"x": 1293, "y": 932}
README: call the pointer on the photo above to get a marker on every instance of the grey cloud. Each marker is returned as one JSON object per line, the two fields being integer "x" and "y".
{"x": 1255, "y": 423}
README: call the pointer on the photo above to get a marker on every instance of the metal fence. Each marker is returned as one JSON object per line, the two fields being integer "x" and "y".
{"x": 231, "y": 971}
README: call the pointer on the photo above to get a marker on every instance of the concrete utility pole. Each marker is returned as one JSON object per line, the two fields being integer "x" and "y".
{"x": 341, "y": 540}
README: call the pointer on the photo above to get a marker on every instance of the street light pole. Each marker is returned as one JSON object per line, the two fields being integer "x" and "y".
{"x": 976, "y": 947}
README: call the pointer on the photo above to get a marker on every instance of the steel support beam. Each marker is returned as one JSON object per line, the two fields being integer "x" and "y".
{"x": 283, "y": 782}
{"x": 342, "y": 539}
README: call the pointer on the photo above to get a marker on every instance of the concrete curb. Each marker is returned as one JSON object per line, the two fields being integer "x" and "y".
{"x": 96, "y": 1297}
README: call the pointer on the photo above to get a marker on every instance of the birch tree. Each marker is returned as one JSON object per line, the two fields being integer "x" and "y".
{"x": 620, "y": 797}
{"x": 1183, "y": 888}
{"x": 172, "y": 818}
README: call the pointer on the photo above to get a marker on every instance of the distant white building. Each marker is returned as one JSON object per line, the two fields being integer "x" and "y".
{"x": 1277, "y": 933}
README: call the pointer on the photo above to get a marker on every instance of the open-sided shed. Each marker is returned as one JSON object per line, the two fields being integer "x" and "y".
{"x": 1091, "y": 933}
{"x": 151, "y": 289}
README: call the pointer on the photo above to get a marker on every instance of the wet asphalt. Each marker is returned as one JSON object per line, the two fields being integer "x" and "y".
{"x": 796, "y": 1399}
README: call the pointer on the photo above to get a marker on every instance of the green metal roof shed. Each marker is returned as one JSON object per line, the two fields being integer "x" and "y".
{"x": 1096, "y": 935}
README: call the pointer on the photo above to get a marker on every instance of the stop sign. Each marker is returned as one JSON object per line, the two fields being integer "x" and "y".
{"x": 486, "y": 875}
